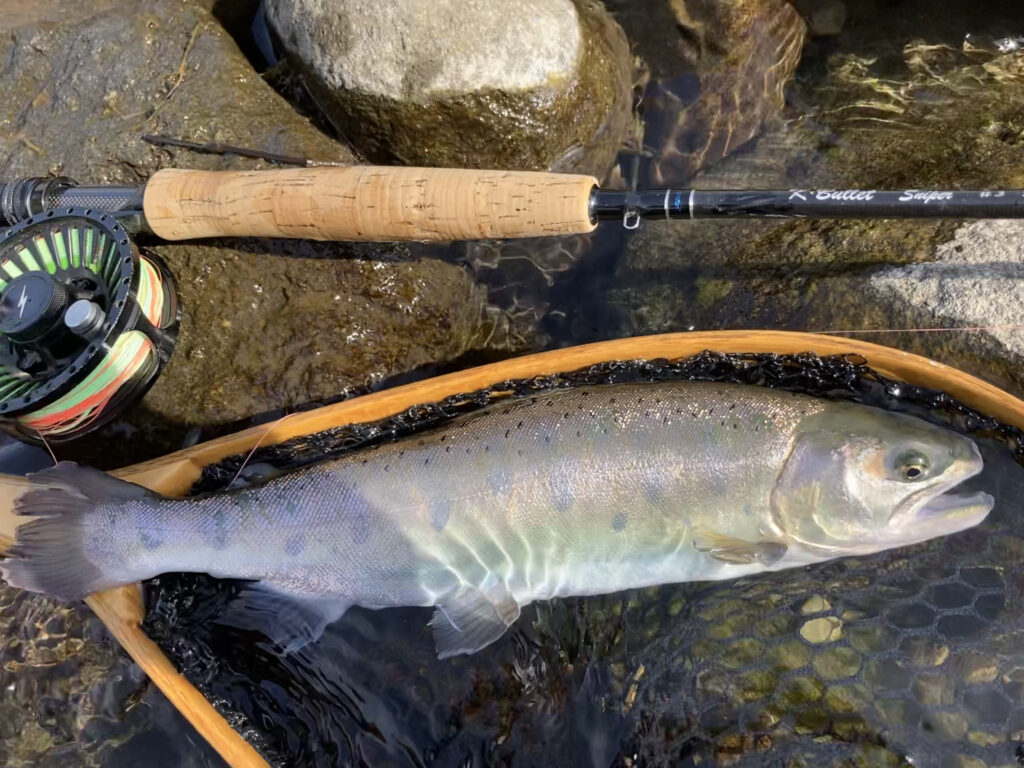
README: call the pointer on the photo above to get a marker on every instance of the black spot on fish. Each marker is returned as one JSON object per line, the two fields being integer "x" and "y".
{"x": 618, "y": 522}
{"x": 447, "y": 449}
{"x": 294, "y": 545}
{"x": 566, "y": 416}
{"x": 150, "y": 539}
{"x": 579, "y": 433}
{"x": 723, "y": 422}
{"x": 611, "y": 399}
{"x": 732, "y": 406}
{"x": 358, "y": 513}
{"x": 519, "y": 425}
{"x": 387, "y": 467}
{"x": 487, "y": 449}
{"x": 214, "y": 533}
{"x": 507, "y": 433}
{"x": 443, "y": 438}
{"x": 426, "y": 461}
{"x": 550, "y": 403}
{"x": 711, "y": 410}
{"x": 735, "y": 426}
{"x": 653, "y": 490}
{"x": 440, "y": 511}
{"x": 467, "y": 451}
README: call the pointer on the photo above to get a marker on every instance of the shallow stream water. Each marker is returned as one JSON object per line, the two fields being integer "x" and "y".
{"x": 910, "y": 657}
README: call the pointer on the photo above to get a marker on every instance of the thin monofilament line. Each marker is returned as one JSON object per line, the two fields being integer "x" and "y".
{"x": 259, "y": 442}
{"x": 962, "y": 329}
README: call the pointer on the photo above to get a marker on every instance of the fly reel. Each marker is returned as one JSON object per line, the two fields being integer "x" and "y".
{"x": 86, "y": 323}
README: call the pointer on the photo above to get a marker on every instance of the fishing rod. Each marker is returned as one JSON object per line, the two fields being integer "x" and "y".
{"x": 88, "y": 321}
{"x": 371, "y": 203}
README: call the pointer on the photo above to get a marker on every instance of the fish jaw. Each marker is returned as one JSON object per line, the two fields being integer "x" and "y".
{"x": 940, "y": 510}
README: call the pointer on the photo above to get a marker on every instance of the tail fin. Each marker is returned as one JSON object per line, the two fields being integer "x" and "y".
{"x": 50, "y": 554}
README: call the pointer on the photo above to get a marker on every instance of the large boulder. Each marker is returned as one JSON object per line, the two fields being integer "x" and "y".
{"x": 266, "y": 324}
{"x": 530, "y": 84}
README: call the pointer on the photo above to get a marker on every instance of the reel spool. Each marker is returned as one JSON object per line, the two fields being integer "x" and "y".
{"x": 86, "y": 323}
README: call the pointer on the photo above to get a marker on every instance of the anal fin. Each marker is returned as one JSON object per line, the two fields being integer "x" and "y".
{"x": 290, "y": 621}
{"x": 472, "y": 618}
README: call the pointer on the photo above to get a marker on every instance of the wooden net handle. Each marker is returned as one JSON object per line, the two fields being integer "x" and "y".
{"x": 367, "y": 203}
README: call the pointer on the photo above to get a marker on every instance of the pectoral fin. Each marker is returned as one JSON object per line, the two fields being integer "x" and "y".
{"x": 290, "y": 621}
{"x": 737, "y": 551}
{"x": 472, "y": 618}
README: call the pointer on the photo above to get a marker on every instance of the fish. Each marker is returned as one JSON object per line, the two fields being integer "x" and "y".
{"x": 581, "y": 491}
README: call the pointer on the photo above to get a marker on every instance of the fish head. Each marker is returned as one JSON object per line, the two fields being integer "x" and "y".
{"x": 860, "y": 480}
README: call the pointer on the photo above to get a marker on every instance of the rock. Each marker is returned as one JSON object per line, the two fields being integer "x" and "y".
{"x": 815, "y": 604}
{"x": 505, "y": 84}
{"x": 826, "y": 629}
{"x": 974, "y": 281}
{"x": 262, "y": 331}
{"x": 266, "y": 324}
{"x": 825, "y": 18}
{"x": 80, "y": 98}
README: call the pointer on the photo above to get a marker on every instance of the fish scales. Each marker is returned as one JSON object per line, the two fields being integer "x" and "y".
{"x": 580, "y": 491}
{"x": 534, "y": 491}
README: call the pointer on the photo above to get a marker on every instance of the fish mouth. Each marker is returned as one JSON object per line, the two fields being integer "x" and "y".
{"x": 944, "y": 507}
{"x": 960, "y": 510}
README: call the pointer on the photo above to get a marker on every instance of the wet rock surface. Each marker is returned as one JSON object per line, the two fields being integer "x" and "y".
{"x": 535, "y": 85}
{"x": 304, "y": 324}
{"x": 80, "y": 93}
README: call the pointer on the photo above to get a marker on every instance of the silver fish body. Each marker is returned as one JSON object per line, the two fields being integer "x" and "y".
{"x": 581, "y": 491}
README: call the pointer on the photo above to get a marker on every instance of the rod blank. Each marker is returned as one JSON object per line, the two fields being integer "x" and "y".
{"x": 807, "y": 203}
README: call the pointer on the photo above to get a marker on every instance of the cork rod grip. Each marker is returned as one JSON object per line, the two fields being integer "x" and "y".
{"x": 367, "y": 203}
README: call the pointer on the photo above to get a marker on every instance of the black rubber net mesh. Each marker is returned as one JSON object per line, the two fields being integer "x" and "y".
{"x": 913, "y": 656}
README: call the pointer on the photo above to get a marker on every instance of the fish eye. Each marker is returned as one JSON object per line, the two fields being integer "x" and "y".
{"x": 911, "y": 466}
